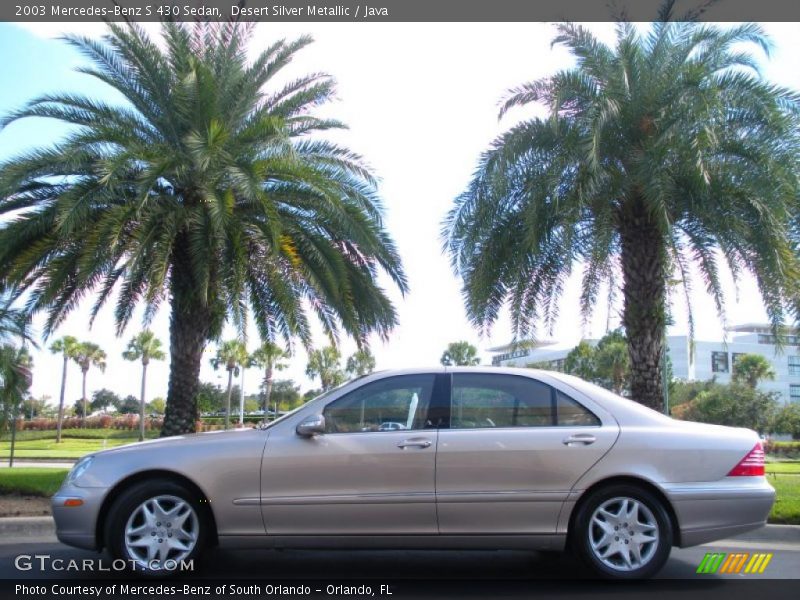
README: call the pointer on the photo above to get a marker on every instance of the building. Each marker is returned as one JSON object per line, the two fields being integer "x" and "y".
{"x": 710, "y": 359}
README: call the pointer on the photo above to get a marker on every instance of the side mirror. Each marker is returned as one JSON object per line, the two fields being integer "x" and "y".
{"x": 311, "y": 426}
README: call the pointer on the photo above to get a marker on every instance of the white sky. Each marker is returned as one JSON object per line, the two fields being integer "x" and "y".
{"x": 421, "y": 103}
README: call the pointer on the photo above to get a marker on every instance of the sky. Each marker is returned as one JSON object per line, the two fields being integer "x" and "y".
{"x": 421, "y": 103}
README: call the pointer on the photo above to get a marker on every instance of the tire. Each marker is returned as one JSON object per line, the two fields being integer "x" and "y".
{"x": 153, "y": 523}
{"x": 622, "y": 531}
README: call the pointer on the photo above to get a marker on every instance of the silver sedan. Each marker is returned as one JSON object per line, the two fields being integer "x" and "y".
{"x": 475, "y": 458}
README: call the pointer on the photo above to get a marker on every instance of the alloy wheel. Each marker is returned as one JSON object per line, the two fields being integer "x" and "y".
{"x": 623, "y": 534}
{"x": 161, "y": 529}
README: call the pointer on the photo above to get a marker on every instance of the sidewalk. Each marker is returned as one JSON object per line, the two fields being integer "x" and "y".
{"x": 44, "y": 464}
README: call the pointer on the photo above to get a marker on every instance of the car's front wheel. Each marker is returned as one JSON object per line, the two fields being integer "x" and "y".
{"x": 156, "y": 527}
{"x": 623, "y": 532}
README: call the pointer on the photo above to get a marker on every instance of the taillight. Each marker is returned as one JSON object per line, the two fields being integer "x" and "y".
{"x": 751, "y": 464}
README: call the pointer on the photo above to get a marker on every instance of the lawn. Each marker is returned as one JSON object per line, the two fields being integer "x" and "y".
{"x": 69, "y": 448}
{"x": 34, "y": 481}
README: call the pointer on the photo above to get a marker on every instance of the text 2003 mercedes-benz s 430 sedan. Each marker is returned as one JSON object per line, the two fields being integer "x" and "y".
{"x": 448, "y": 458}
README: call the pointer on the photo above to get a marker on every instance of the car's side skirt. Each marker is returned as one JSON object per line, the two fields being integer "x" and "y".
{"x": 421, "y": 542}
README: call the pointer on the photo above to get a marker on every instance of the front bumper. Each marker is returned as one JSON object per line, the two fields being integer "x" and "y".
{"x": 77, "y": 525}
{"x": 712, "y": 511}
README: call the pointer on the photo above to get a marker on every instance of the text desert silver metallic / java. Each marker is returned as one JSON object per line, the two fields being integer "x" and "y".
{"x": 438, "y": 458}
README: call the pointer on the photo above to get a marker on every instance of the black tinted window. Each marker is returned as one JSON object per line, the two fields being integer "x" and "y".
{"x": 481, "y": 400}
{"x": 392, "y": 404}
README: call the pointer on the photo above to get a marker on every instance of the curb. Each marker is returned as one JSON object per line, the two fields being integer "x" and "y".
{"x": 27, "y": 527}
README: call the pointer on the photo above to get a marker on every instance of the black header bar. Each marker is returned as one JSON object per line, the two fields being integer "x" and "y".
{"x": 372, "y": 11}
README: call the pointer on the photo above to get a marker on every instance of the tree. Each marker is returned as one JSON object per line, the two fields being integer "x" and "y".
{"x": 787, "y": 420}
{"x": 144, "y": 347}
{"x": 207, "y": 188}
{"x": 324, "y": 363}
{"x": 231, "y": 355}
{"x": 66, "y": 346}
{"x": 751, "y": 369}
{"x": 606, "y": 364}
{"x": 88, "y": 354}
{"x": 15, "y": 379}
{"x": 36, "y": 407}
{"x": 15, "y": 362}
{"x": 580, "y": 361}
{"x": 664, "y": 153}
{"x": 129, "y": 405}
{"x": 613, "y": 362}
{"x": 286, "y": 394}
{"x": 210, "y": 398}
{"x": 103, "y": 398}
{"x": 157, "y": 405}
{"x": 360, "y": 363}
{"x": 268, "y": 356}
{"x": 735, "y": 405}
{"x": 461, "y": 354}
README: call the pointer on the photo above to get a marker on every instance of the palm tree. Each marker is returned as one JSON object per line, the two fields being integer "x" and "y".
{"x": 461, "y": 354}
{"x": 232, "y": 355}
{"x": 66, "y": 346}
{"x": 88, "y": 354}
{"x": 208, "y": 189}
{"x": 360, "y": 363}
{"x": 752, "y": 368}
{"x": 145, "y": 347}
{"x": 324, "y": 363}
{"x": 268, "y": 356}
{"x": 665, "y": 151}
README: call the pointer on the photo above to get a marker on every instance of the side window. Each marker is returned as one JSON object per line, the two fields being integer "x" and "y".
{"x": 486, "y": 400}
{"x": 391, "y": 404}
{"x": 572, "y": 414}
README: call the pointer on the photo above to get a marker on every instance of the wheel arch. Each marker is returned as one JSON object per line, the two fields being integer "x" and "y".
{"x": 627, "y": 480}
{"x": 125, "y": 484}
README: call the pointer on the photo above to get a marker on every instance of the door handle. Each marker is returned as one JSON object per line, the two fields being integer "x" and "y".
{"x": 580, "y": 438}
{"x": 414, "y": 444}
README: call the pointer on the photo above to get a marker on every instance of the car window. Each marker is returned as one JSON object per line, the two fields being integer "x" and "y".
{"x": 486, "y": 400}
{"x": 572, "y": 414}
{"x": 392, "y": 404}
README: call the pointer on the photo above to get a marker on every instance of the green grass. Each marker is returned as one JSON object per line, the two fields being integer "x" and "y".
{"x": 787, "y": 505}
{"x": 31, "y": 480}
{"x": 94, "y": 434}
{"x": 69, "y": 448}
{"x": 784, "y": 467}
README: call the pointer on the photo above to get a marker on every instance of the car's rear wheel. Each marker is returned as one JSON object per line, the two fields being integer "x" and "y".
{"x": 623, "y": 532}
{"x": 156, "y": 527}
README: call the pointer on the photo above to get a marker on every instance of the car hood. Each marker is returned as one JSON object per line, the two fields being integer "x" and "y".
{"x": 159, "y": 444}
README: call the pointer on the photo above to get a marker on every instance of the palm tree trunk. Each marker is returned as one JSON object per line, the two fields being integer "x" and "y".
{"x": 228, "y": 400}
{"x": 643, "y": 260}
{"x": 188, "y": 332}
{"x": 268, "y": 391}
{"x": 83, "y": 420}
{"x": 61, "y": 399}
{"x": 141, "y": 403}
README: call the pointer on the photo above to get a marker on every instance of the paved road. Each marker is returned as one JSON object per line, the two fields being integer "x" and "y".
{"x": 397, "y": 566}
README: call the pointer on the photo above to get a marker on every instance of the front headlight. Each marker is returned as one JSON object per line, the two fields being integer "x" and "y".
{"x": 79, "y": 469}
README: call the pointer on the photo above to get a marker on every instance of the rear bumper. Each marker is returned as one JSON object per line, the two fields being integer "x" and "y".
{"x": 713, "y": 511}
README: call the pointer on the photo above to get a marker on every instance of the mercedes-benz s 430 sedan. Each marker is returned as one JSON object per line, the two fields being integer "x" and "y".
{"x": 474, "y": 458}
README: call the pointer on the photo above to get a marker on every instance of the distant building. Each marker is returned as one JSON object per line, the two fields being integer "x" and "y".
{"x": 710, "y": 359}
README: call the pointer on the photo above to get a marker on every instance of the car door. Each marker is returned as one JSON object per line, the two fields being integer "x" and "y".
{"x": 514, "y": 449}
{"x": 371, "y": 472}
